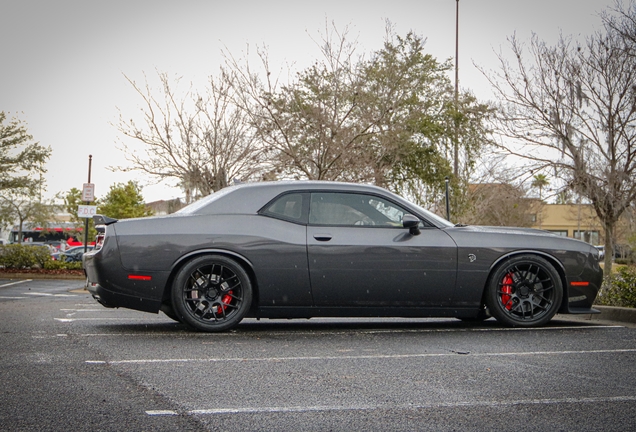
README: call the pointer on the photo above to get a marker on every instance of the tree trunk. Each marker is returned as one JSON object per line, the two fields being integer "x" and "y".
{"x": 609, "y": 247}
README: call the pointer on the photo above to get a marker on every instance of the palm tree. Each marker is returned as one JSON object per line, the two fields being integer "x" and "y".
{"x": 540, "y": 181}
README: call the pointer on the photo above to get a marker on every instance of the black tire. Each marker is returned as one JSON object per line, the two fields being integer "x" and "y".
{"x": 524, "y": 291}
{"x": 169, "y": 312}
{"x": 211, "y": 293}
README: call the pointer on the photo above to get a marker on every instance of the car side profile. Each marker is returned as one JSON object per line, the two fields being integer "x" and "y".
{"x": 303, "y": 249}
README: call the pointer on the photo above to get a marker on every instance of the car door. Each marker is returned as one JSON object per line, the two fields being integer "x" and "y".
{"x": 360, "y": 255}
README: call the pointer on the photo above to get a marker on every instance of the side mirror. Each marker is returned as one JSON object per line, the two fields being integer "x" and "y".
{"x": 412, "y": 223}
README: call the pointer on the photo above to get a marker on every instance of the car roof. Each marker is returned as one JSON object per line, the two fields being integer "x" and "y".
{"x": 248, "y": 198}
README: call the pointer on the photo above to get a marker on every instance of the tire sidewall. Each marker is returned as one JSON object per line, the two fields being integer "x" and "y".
{"x": 494, "y": 304}
{"x": 180, "y": 308}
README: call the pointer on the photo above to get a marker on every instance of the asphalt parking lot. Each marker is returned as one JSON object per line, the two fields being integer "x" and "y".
{"x": 68, "y": 363}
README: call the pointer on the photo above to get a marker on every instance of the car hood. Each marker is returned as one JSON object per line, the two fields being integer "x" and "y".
{"x": 513, "y": 238}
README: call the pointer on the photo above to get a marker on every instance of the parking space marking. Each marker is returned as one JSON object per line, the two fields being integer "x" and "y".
{"x": 86, "y": 310}
{"x": 15, "y": 283}
{"x": 40, "y": 294}
{"x": 69, "y": 320}
{"x": 11, "y": 298}
{"x": 355, "y": 357}
{"x": 339, "y": 332}
{"x": 328, "y": 408}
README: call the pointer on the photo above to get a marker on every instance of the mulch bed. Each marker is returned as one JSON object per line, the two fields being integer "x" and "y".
{"x": 42, "y": 273}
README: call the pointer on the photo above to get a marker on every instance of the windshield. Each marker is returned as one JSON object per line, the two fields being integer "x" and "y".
{"x": 438, "y": 220}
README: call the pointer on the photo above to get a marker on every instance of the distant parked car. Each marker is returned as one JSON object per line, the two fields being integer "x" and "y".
{"x": 601, "y": 252}
{"x": 72, "y": 254}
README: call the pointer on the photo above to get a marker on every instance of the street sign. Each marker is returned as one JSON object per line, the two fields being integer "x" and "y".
{"x": 88, "y": 192}
{"x": 86, "y": 211}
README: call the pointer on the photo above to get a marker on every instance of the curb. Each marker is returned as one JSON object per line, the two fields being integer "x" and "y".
{"x": 613, "y": 313}
{"x": 41, "y": 276}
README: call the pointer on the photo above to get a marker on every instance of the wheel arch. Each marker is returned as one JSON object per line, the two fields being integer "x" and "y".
{"x": 558, "y": 266}
{"x": 240, "y": 259}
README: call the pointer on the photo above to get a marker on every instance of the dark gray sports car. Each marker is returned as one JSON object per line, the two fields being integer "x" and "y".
{"x": 308, "y": 249}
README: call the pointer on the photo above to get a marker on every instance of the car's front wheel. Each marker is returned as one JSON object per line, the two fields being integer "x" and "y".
{"x": 524, "y": 291}
{"x": 211, "y": 293}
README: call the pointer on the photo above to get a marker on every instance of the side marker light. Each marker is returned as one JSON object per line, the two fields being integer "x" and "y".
{"x": 140, "y": 277}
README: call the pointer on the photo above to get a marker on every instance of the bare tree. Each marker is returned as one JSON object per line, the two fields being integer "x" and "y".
{"x": 572, "y": 108}
{"x": 310, "y": 123}
{"x": 498, "y": 204}
{"x": 201, "y": 139}
{"x": 622, "y": 19}
{"x": 381, "y": 119}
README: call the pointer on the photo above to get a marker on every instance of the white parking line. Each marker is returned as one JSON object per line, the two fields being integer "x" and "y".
{"x": 331, "y": 333}
{"x": 15, "y": 283}
{"x": 11, "y": 298}
{"x": 354, "y": 357}
{"x": 87, "y": 310}
{"x": 69, "y": 320}
{"x": 327, "y": 408}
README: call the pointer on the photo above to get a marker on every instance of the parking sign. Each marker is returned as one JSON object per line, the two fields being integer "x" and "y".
{"x": 88, "y": 192}
{"x": 86, "y": 211}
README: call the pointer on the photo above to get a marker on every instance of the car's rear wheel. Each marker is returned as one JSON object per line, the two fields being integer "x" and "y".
{"x": 211, "y": 293}
{"x": 524, "y": 291}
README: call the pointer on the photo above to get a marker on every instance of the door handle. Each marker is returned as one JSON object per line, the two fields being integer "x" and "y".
{"x": 323, "y": 237}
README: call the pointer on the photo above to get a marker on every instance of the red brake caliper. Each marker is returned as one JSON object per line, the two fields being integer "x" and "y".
{"x": 507, "y": 290}
{"x": 225, "y": 300}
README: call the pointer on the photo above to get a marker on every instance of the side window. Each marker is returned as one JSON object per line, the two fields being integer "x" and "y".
{"x": 352, "y": 209}
{"x": 289, "y": 206}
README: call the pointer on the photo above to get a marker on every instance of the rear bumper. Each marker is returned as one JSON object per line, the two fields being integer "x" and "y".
{"x": 114, "y": 286}
{"x": 111, "y": 299}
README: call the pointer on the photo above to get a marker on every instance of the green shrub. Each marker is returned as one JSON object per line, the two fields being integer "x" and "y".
{"x": 18, "y": 256}
{"x": 62, "y": 265}
{"x": 41, "y": 255}
{"x": 619, "y": 288}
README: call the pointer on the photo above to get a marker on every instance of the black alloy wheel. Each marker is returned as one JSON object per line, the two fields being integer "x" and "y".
{"x": 211, "y": 293}
{"x": 524, "y": 291}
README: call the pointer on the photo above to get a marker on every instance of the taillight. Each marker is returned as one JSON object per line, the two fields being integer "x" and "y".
{"x": 99, "y": 238}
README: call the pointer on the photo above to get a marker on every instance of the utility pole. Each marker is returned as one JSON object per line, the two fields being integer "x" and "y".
{"x": 456, "y": 140}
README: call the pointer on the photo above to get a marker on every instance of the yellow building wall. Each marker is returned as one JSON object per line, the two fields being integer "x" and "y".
{"x": 569, "y": 220}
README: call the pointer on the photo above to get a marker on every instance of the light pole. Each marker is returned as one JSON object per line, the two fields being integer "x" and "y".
{"x": 456, "y": 143}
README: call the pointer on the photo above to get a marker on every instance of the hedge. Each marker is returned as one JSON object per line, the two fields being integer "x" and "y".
{"x": 619, "y": 288}
{"x": 19, "y": 256}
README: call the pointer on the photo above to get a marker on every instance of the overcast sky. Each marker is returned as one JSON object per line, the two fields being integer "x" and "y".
{"x": 63, "y": 62}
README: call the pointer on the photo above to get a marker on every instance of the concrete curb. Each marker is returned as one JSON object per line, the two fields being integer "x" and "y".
{"x": 40, "y": 276}
{"x": 613, "y": 313}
